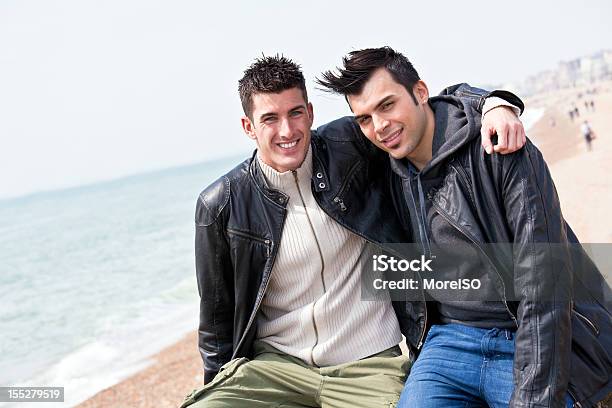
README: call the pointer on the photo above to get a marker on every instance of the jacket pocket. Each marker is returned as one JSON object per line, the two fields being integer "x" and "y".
{"x": 250, "y": 237}
{"x": 588, "y": 322}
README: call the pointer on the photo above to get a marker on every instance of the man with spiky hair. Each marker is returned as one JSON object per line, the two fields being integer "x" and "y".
{"x": 278, "y": 245}
{"x": 522, "y": 340}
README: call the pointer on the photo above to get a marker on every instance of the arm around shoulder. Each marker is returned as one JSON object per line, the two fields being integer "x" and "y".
{"x": 477, "y": 96}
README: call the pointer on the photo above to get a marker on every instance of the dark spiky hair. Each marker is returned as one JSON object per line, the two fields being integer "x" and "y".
{"x": 359, "y": 65}
{"x": 269, "y": 75}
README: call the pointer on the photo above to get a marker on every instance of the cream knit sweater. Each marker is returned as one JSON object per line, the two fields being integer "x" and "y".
{"x": 312, "y": 309}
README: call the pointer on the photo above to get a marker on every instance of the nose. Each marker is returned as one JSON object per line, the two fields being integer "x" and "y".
{"x": 284, "y": 129}
{"x": 380, "y": 124}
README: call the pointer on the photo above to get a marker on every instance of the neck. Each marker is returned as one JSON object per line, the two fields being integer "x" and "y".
{"x": 422, "y": 154}
{"x": 281, "y": 179}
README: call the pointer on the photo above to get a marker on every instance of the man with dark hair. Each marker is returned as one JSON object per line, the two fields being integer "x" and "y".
{"x": 278, "y": 248}
{"x": 522, "y": 340}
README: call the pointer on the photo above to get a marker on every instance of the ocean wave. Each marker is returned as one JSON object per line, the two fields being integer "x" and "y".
{"x": 124, "y": 348}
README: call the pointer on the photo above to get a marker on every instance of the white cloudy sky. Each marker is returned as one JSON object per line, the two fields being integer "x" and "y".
{"x": 92, "y": 90}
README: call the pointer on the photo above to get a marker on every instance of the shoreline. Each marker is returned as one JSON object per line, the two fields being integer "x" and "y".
{"x": 177, "y": 369}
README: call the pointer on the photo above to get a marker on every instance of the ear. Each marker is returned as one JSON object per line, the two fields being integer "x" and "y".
{"x": 310, "y": 113}
{"x": 247, "y": 126}
{"x": 421, "y": 92}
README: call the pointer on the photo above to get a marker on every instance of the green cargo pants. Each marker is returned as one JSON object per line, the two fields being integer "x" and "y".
{"x": 274, "y": 379}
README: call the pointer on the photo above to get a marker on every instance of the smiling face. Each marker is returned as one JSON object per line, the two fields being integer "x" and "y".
{"x": 280, "y": 126}
{"x": 391, "y": 119}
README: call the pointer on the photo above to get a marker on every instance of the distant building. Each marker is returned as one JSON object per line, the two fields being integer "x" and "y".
{"x": 580, "y": 71}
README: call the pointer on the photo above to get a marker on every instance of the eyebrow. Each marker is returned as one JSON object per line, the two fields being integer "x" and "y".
{"x": 266, "y": 115}
{"x": 381, "y": 102}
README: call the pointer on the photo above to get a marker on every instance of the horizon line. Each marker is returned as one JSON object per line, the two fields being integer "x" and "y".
{"x": 138, "y": 173}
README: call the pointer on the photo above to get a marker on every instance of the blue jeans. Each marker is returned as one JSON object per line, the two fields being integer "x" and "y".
{"x": 460, "y": 367}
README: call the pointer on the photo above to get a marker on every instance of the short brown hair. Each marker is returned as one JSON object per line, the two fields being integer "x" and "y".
{"x": 269, "y": 75}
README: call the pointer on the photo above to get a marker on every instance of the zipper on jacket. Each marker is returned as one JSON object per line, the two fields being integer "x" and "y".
{"x": 314, "y": 322}
{"x": 575, "y": 403}
{"x": 421, "y": 224}
{"x": 337, "y": 199}
{"x": 257, "y": 305}
{"x": 461, "y": 172}
{"x": 340, "y": 203}
{"x": 587, "y": 321}
{"x": 422, "y": 237}
{"x": 440, "y": 211}
{"x": 266, "y": 242}
{"x": 253, "y": 314}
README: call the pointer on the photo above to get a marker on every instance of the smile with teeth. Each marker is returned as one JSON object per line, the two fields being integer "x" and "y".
{"x": 288, "y": 145}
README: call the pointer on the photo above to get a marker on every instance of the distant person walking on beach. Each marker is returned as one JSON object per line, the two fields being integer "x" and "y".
{"x": 589, "y": 105}
{"x": 588, "y": 134}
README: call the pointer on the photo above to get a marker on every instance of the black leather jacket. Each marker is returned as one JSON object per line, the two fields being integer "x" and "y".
{"x": 512, "y": 199}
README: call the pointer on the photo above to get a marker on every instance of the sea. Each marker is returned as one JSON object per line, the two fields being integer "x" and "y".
{"x": 95, "y": 280}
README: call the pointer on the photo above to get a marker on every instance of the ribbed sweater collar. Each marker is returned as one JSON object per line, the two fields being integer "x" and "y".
{"x": 285, "y": 181}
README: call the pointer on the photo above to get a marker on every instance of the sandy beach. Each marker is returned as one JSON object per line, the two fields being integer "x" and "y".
{"x": 582, "y": 178}
{"x": 175, "y": 371}
{"x": 583, "y": 183}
